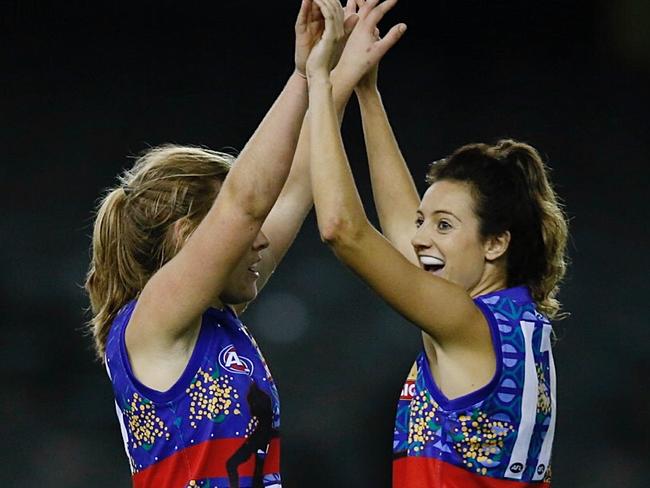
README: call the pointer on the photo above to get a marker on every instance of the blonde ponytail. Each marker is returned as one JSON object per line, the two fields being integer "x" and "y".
{"x": 134, "y": 232}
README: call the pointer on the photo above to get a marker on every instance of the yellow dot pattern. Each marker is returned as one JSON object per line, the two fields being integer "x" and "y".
{"x": 211, "y": 397}
{"x": 252, "y": 425}
{"x": 422, "y": 421}
{"x": 476, "y": 438}
{"x": 144, "y": 424}
{"x": 479, "y": 439}
{"x": 543, "y": 396}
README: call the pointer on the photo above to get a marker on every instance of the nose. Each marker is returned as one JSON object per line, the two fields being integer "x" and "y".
{"x": 261, "y": 242}
{"x": 420, "y": 239}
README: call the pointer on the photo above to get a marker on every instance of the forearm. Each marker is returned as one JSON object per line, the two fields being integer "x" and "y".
{"x": 395, "y": 195}
{"x": 296, "y": 199}
{"x": 338, "y": 206}
{"x": 297, "y": 191}
{"x": 259, "y": 174}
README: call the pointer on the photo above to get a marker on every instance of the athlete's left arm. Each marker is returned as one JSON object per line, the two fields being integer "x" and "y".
{"x": 296, "y": 200}
{"x": 360, "y": 56}
{"x": 442, "y": 309}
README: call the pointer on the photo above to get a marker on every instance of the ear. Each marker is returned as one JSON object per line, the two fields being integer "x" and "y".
{"x": 496, "y": 246}
{"x": 182, "y": 230}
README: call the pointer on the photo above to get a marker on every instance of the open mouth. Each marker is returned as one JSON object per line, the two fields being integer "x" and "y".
{"x": 431, "y": 264}
{"x": 253, "y": 268}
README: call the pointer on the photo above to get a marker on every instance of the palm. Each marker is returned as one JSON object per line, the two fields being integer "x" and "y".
{"x": 308, "y": 31}
{"x": 365, "y": 47}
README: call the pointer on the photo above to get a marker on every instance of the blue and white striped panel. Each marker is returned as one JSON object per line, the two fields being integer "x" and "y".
{"x": 545, "y": 452}
{"x": 519, "y": 456}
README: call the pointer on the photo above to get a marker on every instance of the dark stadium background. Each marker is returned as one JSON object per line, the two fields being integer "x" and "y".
{"x": 83, "y": 86}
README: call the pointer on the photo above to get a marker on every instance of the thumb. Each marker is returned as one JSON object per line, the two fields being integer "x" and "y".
{"x": 391, "y": 37}
{"x": 350, "y": 7}
{"x": 349, "y": 24}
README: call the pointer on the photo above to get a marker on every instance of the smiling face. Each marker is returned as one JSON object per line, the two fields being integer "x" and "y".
{"x": 241, "y": 286}
{"x": 448, "y": 241}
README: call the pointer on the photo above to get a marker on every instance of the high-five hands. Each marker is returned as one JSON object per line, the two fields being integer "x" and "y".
{"x": 364, "y": 47}
{"x": 310, "y": 26}
{"x": 326, "y": 53}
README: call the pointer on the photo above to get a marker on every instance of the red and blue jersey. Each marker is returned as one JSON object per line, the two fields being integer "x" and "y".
{"x": 499, "y": 436}
{"x": 217, "y": 426}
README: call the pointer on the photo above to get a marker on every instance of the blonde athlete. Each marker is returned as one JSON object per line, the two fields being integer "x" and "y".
{"x": 181, "y": 245}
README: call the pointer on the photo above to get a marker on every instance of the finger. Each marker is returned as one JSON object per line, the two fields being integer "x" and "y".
{"x": 350, "y": 8}
{"x": 304, "y": 13}
{"x": 316, "y": 13}
{"x": 380, "y": 10}
{"x": 366, "y": 7}
{"x": 340, "y": 18}
{"x": 349, "y": 24}
{"x": 328, "y": 15}
{"x": 336, "y": 12}
{"x": 377, "y": 34}
{"x": 391, "y": 38}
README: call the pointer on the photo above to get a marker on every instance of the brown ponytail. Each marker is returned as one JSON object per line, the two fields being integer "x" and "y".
{"x": 513, "y": 193}
{"x": 552, "y": 221}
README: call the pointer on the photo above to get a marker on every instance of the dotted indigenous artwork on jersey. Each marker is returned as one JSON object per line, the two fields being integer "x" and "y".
{"x": 502, "y": 431}
{"x": 217, "y": 426}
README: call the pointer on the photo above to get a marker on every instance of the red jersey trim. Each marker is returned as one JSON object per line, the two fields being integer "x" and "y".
{"x": 426, "y": 472}
{"x": 205, "y": 460}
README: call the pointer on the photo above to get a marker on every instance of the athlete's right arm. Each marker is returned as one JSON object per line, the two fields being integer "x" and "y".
{"x": 173, "y": 300}
{"x": 395, "y": 195}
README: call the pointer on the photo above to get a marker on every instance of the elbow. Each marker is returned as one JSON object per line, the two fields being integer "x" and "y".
{"x": 248, "y": 200}
{"x": 338, "y": 231}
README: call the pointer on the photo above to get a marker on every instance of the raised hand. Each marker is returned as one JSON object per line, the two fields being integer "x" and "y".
{"x": 309, "y": 28}
{"x": 326, "y": 53}
{"x": 365, "y": 48}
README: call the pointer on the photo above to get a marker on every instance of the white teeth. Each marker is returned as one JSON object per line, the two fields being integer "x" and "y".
{"x": 431, "y": 261}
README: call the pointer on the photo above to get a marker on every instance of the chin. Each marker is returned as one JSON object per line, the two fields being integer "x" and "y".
{"x": 248, "y": 295}
{"x": 241, "y": 296}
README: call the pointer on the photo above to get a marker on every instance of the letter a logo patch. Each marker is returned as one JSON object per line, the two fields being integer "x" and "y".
{"x": 233, "y": 362}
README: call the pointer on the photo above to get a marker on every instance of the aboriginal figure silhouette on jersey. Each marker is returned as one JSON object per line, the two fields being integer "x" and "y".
{"x": 257, "y": 443}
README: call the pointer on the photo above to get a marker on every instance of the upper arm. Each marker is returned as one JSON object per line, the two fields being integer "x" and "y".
{"x": 395, "y": 194}
{"x": 180, "y": 291}
{"x": 440, "y": 308}
{"x": 399, "y": 238}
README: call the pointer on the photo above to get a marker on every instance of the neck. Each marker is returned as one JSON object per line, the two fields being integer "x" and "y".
{"x": 491, "y": 281}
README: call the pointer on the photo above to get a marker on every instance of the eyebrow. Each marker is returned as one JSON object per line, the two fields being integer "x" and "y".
{"x": 418, "y": 211}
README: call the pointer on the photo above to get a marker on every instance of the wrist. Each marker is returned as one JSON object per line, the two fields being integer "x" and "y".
{"x": 367, "y": 93}
{"x": 319, "y": 78}
{"x": 299, "y": 74}
{"x": 342, "y": 82}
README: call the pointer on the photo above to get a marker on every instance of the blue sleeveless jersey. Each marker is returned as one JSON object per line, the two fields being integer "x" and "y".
{"x": 499, "y": 436}
{"x": 217, "y": 426}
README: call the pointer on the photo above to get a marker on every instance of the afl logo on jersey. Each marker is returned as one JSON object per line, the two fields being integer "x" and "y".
{"x": 233, "y": 362}
{"x": 516, "y": 468}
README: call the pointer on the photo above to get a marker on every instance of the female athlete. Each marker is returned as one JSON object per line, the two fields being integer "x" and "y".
{"x": 475, "y": 265}
{"x": 180, "y": 247}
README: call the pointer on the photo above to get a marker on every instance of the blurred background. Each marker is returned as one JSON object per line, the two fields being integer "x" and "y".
{"x": 84, "y": 87}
